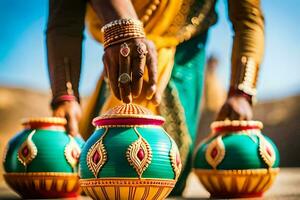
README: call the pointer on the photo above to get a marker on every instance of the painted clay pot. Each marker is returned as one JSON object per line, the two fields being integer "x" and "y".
{"x": 237, "y": 160}
{"x": 129, "y": 156}
{"x": 42, "y": 160}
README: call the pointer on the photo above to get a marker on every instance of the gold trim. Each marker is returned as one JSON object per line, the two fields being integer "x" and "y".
{"x": 116, "y": 116}
{"x": 97, "y": 147}
{"x": 128, "y": 111}
{"x": 175, "y": 126}
{"x": 242, "y": 123}
{"x": 127, "y": 182}
{"x": 132, "y": 154}
{"x": 247, "y": 81}
{"x": 53, "y": 120}
{"x": 31, "y": 148}
{"x": 128, "y": 126}
{"x": 71, "y": 148}
{"x": 42, "y": 174}
{"x": 237, "y": 171}
{"x": 218, "y": 145}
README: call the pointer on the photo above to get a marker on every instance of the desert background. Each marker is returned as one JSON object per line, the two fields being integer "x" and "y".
{"x": 24, "y": 84}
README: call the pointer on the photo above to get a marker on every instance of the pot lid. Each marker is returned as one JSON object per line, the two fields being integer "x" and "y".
{"x": 235, "y": 125}
{"x": 128, "y": 114}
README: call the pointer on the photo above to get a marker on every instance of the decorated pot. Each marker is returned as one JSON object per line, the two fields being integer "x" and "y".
{"x": 129, "y": 156}
{"x": 236, "y": 160}
{"x": 42, "y": 160}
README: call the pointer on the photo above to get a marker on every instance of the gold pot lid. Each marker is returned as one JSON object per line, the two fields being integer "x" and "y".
{"x": 128, "y": 114}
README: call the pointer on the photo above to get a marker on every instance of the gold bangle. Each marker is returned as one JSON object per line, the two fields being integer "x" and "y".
{"x": 122, "y": 30}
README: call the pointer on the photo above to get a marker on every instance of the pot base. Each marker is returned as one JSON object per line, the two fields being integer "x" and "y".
{"x": 127, "y": 188}
{"x": 237, "y": 183}
{"x": 37, "y": 185}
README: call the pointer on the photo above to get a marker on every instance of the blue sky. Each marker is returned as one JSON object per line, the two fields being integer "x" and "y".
{"x": 23, "y": 60}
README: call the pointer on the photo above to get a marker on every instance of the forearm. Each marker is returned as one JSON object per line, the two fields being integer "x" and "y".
{"x": 64, "y": 45}
{"x": 110, "y": 10}
{"x": 248, "y": 45}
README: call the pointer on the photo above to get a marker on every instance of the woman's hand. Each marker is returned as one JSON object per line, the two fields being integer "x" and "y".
{"x": 125, "y": 66}
{"x": 72, "y": 112}
{"x": 236, "y": 107}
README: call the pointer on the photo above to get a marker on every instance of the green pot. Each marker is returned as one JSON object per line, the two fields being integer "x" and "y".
{"x": 42, "y": 160}
{"x": 237, "y": 160}
{"x": 129, "y": 156}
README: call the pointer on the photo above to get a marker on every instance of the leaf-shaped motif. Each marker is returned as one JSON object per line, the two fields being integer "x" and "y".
{"x": 97, "y": 156}
{"x": 27, "y": 151}
{"x": 175, "y": 159}
{"x": 139, "y": 155}
{"x": 215, "y": 152}
{"x": 266, "y": 151}
{"x": 72, "y": 152}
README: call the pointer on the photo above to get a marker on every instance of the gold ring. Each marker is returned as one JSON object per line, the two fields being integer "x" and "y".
{"x": 141, "y": 48}
{"x": 124, "y": 78}
{"x": 124, "y": 50}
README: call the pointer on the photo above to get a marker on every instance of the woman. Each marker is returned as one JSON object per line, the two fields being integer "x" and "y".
{"x": 154, "y": 56}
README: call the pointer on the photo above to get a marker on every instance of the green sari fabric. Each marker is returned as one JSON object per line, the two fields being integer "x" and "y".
{"x": 181, "y": 101}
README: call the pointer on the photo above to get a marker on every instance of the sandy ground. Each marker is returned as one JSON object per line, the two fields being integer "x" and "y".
{"x": 287, "y": 186}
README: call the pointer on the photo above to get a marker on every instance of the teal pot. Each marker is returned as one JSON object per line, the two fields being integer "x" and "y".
{"x": 236, "y": 160}
{"x": 129, "y": 156}
{"x": 42, "y": 160}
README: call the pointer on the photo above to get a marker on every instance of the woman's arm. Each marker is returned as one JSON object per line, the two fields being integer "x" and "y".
{"x": 142, "y": 52}
{"x": 247, "y": 52}
{"x": 64, "y": 36}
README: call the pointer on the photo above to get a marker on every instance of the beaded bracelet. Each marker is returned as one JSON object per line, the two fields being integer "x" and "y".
{"x": 57, "y": 100}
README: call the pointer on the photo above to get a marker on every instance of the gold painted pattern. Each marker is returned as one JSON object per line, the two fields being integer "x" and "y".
{"x": 215, "y": 152}
{"x": 31, "y": 150}
{"x": 117, "y": 189}
{"x": 33, "y": 182}
{"x": 98, "y": 148}
{"x": 237, "y": 182}
{"x": 128, "y": 111}
{"x": 140, "y": 164}
{"x": 72, "y": 152}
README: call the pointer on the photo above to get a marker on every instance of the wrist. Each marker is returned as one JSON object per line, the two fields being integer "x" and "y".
{"x": 234, "y": 91}
{"x": 58, "y": 100}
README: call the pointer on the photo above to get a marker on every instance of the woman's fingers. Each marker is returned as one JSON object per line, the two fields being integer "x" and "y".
{"x": 72, "y": 125}
{"x": 138, "y": 65}
{"x": 151, "y": 63}
{"x": 124, "y": 79}
{"x": 125, "y": 65}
